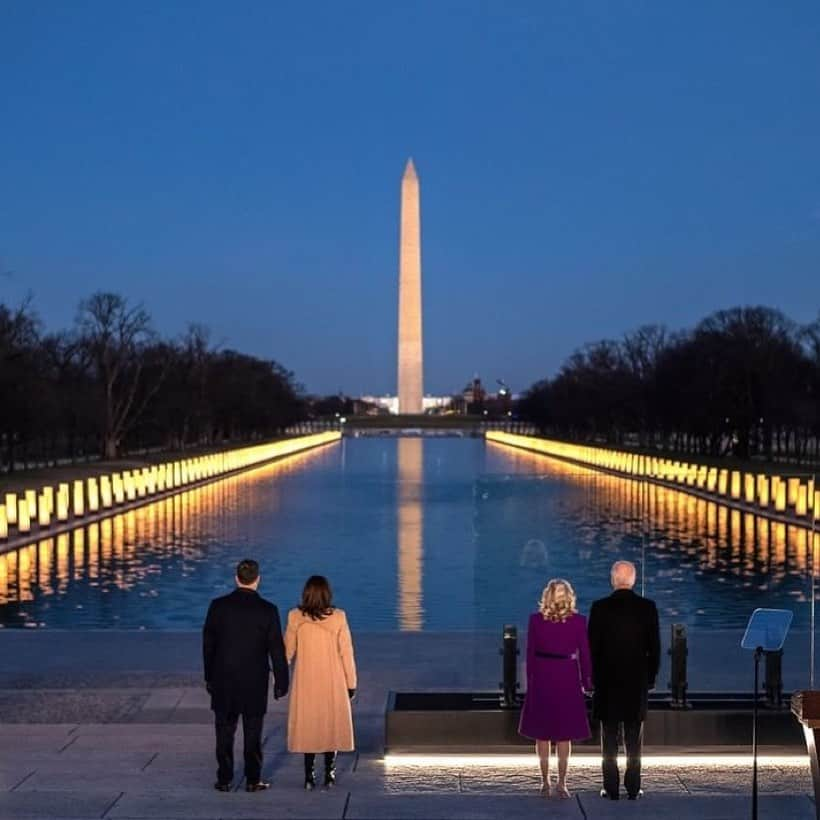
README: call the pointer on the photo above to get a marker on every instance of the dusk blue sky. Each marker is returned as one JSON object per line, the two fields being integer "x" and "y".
{"x": 585, "y": 168}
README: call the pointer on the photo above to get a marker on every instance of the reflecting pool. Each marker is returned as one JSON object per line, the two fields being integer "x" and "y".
{"x": 414, "y": 534}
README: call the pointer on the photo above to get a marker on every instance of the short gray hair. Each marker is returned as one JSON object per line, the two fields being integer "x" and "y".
{"x": 623, "y": 574}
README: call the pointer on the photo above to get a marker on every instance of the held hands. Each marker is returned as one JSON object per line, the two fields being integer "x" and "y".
{"x": 279, "y": 692}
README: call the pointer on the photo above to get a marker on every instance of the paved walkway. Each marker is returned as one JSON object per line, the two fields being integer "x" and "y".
{"x": 116, "y": 725}
{"x": 166, "y": 771}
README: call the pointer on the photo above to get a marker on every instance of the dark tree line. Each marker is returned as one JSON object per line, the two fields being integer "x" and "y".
{"x": 111, "y": 384}
{"x": 744, "y": 382}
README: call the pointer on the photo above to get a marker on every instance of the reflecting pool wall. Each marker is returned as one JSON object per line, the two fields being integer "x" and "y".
{"x": 415, "y": 535}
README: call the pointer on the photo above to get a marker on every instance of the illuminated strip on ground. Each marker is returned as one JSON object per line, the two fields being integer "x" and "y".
{"x": 98, "y": 497}
{"x": 592, "y": 761}
{"x": 791, "y": 498}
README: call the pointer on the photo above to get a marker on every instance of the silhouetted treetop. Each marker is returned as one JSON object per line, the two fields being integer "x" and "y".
{"x": 111, "y": 383}
{"x": 742, "y": 382}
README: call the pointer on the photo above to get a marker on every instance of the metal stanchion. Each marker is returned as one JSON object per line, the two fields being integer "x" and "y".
{"x": 509, "y": 652}
{"x": 773, "y": 682}
{"x": 678, "y": 653}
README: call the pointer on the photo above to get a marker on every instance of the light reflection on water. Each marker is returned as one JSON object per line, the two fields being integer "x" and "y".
{"x": 706, "y": 565}
{"x": 410, "y": 525}
{"x": 414, "y": 534}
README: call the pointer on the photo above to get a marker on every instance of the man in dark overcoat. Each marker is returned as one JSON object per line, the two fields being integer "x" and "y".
{"x": 241, "y": 643}
{"x": 625, "y": 644}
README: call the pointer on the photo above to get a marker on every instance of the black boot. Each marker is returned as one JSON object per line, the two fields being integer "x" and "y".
{"x": 310, "y": 773}
{"x": 330, "y": 769}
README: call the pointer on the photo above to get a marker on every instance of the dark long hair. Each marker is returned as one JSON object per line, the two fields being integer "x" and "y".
{"x": 317, "y": 598}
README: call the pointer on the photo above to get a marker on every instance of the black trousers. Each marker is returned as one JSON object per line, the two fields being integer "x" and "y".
{"x": 613, "y": 732}
{"x": 252, "y": 735}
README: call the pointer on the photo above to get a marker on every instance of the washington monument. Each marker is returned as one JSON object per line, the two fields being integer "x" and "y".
{"x": 411, "y": 351}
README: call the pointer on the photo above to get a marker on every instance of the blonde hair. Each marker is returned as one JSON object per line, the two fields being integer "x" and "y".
{"x": 557, "y": 602}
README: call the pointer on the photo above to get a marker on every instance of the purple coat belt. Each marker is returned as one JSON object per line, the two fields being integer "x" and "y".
{"x": 556, "y": 657}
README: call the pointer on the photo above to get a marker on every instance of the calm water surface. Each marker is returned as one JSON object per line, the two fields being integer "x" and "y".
{"x": 415, "y": 534}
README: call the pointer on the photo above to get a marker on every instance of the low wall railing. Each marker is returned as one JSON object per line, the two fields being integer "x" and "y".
{"x": 56, "y": 507}
{"x": 791, "y": 497}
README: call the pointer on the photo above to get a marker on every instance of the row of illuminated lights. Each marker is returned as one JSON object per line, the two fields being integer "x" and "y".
{"x": 713, "y": 519}
{"x": 114, "y": 536}
{"x": 799, "y": 495}
{"x": 49, "y": 505}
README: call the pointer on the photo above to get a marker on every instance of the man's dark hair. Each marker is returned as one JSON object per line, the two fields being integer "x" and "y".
{"x": 247, "y": 571}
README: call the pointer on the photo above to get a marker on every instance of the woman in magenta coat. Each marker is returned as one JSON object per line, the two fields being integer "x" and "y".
{"x": 558, "y": 672}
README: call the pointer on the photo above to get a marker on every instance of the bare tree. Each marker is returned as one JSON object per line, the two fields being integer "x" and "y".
{"x": 115, "y": 337}
{"x": 743, "y": 383}
{"x": 642, "y": 349}
{"x": 19, "y": 340}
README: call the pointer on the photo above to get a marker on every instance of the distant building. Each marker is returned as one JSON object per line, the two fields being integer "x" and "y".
{"x": 367, "y": 407}
{"x": 474, "y": 392}
{"x": 475, "y": 400}
{"x": 430, "y": 404}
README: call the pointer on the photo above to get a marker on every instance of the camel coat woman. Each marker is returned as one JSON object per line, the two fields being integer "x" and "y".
{"x": 319, "y": 713}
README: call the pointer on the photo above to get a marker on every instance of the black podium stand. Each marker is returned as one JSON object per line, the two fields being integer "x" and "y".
{"x": 765, "y": 632}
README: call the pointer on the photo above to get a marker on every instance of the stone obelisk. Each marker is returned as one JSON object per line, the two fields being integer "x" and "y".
{"x": 410, "y": 374}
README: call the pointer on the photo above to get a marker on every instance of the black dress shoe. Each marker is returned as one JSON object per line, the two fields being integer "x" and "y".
{"x": 257, "y": 787}
{"x": 608, "y": 796}
{"x": 637, "y": 794}
{"x": 223, "y": 787}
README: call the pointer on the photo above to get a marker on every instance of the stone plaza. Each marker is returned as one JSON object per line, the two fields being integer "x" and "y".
{"x": 117, "y": 725}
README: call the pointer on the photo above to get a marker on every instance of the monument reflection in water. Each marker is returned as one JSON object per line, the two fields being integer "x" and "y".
{"x": 415, "y": 534}
{"x": 410, "y": 534}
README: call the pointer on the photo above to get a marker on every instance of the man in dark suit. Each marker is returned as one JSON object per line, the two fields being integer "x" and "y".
{"x": 625, "y": 643}
{"x": 241, "y": 641}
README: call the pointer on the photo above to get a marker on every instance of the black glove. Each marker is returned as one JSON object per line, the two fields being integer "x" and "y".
{"x": 351, "y": 693}
{"x": 279, "y": 692}
{"x": 209, "y": 687}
